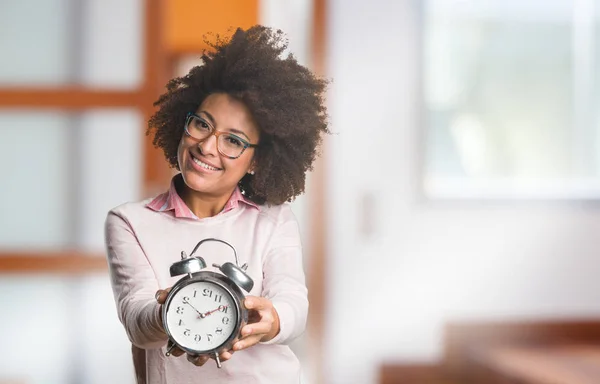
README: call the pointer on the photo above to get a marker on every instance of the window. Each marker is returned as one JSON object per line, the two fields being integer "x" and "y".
{"x": 509, "y": 99}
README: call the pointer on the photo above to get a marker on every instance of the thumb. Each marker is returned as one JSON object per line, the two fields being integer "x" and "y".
{"x": 161, "y": 295}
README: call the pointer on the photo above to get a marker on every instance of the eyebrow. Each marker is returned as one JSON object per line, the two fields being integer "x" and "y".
{"x": 233, "y": 130}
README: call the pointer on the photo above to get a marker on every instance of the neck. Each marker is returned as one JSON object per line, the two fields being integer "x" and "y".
{"x": 201, "y": 204}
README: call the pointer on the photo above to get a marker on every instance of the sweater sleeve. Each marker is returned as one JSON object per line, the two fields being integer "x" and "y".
{"x": 134, "y": 285}
{"x": 284, "y": 282}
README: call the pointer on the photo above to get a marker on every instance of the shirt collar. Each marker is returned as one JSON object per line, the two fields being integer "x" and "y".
{"x": 171, "y": 201}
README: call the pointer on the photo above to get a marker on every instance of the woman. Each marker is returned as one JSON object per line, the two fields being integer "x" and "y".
{"x": 243, "y": 129}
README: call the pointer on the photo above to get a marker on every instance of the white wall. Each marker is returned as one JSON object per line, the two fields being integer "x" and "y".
{"x": 390, "y": 292}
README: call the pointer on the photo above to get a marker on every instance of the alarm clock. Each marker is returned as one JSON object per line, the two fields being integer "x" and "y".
{"x": 204, "y": 313}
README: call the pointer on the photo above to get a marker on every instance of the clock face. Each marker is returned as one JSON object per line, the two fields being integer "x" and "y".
{"x": 201, "y": 316}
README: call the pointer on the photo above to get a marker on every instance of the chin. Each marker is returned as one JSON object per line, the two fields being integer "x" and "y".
{"x": 194, "y": 182}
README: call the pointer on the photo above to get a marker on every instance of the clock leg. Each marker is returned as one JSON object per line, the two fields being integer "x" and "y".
{"x": 171, "y": 346}
{"x": 217, "y": 360}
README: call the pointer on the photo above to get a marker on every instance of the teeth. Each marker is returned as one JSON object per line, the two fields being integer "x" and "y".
{"x": 204, "y": 165}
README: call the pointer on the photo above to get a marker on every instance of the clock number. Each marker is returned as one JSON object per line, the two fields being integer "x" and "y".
{"x": 197, "y": 338}
{"x": 195, "y": 292}
{"x": 186, "y": 332}
{"x": 180, "y": 322}
{"x": 186, "y": 300}
{"x": 218, "y": 298}
{"x": 207, "y": 292}
{"x": 223, "y": 308}
{"x": 209, "y": 336}
{"x": 219, "y": 331}
{"x": 225, "y": 320}
{"x": 180, "y": 310}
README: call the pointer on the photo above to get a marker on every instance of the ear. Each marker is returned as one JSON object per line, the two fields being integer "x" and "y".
{"x": 252, "y": 168}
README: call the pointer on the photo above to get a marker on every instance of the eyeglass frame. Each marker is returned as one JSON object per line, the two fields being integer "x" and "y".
{"x": 216, "y": 133}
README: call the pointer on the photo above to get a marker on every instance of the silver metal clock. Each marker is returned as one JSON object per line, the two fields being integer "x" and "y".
{"x": 204, "y": 312}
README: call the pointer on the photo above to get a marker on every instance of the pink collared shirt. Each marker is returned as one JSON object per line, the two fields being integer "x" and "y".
{"x": 171, "y": 200}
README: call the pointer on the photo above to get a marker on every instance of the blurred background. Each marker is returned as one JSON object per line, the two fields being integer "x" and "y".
{"x": 460, "y": 185}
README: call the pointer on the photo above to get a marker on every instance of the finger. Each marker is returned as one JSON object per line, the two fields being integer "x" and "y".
{"x": 247, "y": 342}
{"x": 161, "y": 295}
{"x": 224, "y": 356}
{"x": 265, "y": 315}
{"x": 257, "y": 303}
{"x": 177, "y": 352}
{"x": 197, "y": 360}
{"x": 260, "y": 328}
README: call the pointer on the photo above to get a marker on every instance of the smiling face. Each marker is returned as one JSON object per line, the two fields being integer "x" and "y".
{"x": 206, "y": 171}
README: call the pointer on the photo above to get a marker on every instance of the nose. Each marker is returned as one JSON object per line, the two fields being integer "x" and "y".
{"x": 209, "y": 145}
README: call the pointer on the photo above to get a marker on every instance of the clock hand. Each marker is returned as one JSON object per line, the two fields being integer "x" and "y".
{"x": 215, "y": 310}
{"x": 199, "y": 313}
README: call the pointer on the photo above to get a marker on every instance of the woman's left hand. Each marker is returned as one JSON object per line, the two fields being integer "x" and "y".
{"x": 263, "y": 322}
